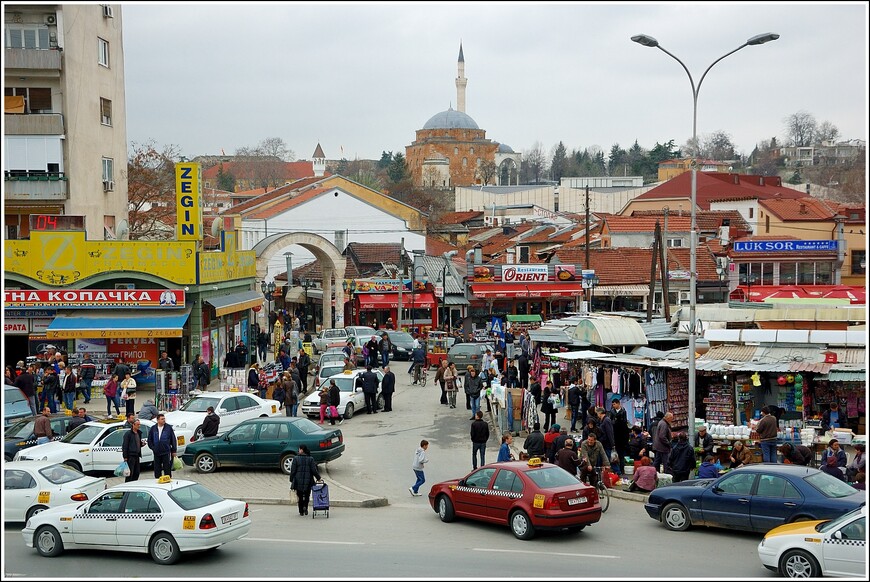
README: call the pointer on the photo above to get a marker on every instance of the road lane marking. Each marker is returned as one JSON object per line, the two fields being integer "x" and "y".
{"x": 303, "y": 541}
{"x": 570, "y": 555}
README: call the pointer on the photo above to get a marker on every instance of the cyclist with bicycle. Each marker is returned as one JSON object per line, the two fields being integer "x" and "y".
{"x": 596, "y": 459}
{"x": 419, "y": 358}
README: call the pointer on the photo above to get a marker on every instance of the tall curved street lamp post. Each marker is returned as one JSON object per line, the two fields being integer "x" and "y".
{"x": 649, "y": 41}
{"x": 352, "y": 288}
{"x": 268, "y": 290}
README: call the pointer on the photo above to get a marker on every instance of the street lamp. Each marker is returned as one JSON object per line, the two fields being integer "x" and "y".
{"x": 306, "y": 283}
{"x": 722, "y": 271}
{"x": 268, "y": 290}
{"x": 414, "y": 292}
{"x": 352, "y": 288}
{"x": 447, "y": 258}
{"x": 590, "y": 283}
{"x": 649, "y": 41}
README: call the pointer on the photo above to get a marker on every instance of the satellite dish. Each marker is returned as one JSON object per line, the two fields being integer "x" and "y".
{"x": 217, "y": 227}
{"x": 123, "y": 230}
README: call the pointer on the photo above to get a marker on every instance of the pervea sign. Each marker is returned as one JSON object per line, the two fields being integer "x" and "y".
{"x": 787, "y": 246}
{"x": 524, "y": 273}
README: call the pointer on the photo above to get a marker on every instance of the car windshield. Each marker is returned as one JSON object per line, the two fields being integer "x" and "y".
{"x": 21, "y": 429}
{"x": 330, "y": 369}
{"x": 401, "y": 336}
{"x": 84, "y": 434}
{"x": 344, "y": 383}
{"x": 552, "y": 477}
{"x": 200, "y": 404}
{"x": 194, "y": 496}
{"x": 60, "y": 474}
{"x": 836, "y": 523}
{"x": 307, "y": 426}
{"x": 13, "y": 395}
{"x": 830, "y": 486}
{"x": 331, "y": 357}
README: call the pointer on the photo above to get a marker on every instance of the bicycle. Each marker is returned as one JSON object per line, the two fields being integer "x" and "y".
{"x": 412, "y": 374}
{"x": 603, "y": 490}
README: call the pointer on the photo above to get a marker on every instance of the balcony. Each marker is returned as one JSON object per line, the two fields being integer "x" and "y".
{"x": 33, "y": 124}
{"x": 18, "y": 59}
{"x": 34, "y": 186}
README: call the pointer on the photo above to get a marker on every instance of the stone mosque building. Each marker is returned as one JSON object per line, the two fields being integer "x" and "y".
{"x": 451, "y": 146}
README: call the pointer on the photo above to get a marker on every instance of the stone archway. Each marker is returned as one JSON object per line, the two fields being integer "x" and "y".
{"x": 332, "y": 264}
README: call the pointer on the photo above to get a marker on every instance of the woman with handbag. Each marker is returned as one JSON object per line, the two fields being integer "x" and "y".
{"x": 450, "y": 378}
{"x": 324, "y": 402}
{"x": 111, "y": 392}
{"x": 303, "y": 473}
{"x": 334, "y": 400}
{"x": 128, "y": 392}
{"x": 549, "y": 402}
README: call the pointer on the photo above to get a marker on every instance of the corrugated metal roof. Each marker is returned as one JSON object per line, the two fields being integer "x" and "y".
{"x": 610, "y": 331}
{"x": 556, "y": 336}
{"x": 844, "y": 376}
{"x": 730, "y": 352}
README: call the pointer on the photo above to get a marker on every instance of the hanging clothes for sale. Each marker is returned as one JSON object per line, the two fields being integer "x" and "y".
{"x": 635, "y": 385}
{"x": 589, "y": 376}
{"x": 608, "y": 374}
{"x": 616, "y": 381}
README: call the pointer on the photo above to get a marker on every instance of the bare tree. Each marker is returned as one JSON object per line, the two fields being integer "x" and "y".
{"x": 800, "y": 128}
{"x": 486, "y": 171}
{"x": 151, "y": 191}
{"x": 827, "y": 131}
{"x": 275, "y": 146}
{"x": 718, "y": 146}
{"x": 536, "y": 161}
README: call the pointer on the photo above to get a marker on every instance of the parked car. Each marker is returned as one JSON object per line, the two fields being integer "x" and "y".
{"x": 20, "y": 436}
{"x": 265, "y": 442}
{"x": 468, "y": 354}
{"x": 328, "y": 369}
{"x": 30, "y": 487}
{"x": 161, "y": 517}
{"x": 232, "y": 407}
{"x": 96, "y": 446}
{"x": 811, "y": 549}
{"x": 754, "y": 497}
{"x": 360, "y": 331}
{"x": 402, "y": 345}
{"x": 327, "y": 337}
{"x": 352, "y": 398}
{"x": 524, "y": 495}
{"x": 15, "y": 405}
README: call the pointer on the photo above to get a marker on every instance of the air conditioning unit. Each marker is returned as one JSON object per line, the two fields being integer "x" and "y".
{"x": 125, "y": 285}
{"x": 50, "y": 19}
{"x": 107, "y": 11}
{"x": 685, "y": 297}
{"x": 108, "y": 185}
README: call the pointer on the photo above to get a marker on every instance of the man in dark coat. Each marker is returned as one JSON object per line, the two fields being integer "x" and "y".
{"x": 201, "y": 373}
{"x": 662, "y": 443}
{"x": 370, "y": 389}
{"x": 524, "y": 367}
{"x": 479, "y": 437}
{"x": 131, "y": 450}
{"x": 165, "y": 363}
{"x": 608, "y": 440}
{"x": 211, "y": 423}
{"x": 574, "y": 401}
{"x": 303, "y": 363}
{"x": 161, "y": 440}
{"x": 262, "y": 345}
{"x": 241, "y": 354}
{"x": 388, "y": 386}
{"x": 303, "y": 472}
{"x": 619, "y": 418}
{"x": 682, "y": 458}
{"x": 534, "y": 444}
{"x": 121, "y": 368}
{"x": 87, "y": 373}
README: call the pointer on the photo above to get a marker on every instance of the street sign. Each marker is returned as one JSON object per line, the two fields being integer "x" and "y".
{"x": 439, "y": 291}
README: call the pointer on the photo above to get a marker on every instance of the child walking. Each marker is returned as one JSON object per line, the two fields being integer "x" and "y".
{"x": 420, "y": 459}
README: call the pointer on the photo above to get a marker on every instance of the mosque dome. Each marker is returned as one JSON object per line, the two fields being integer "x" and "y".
{"x": 503, "y": 148}
{"x": 451, "y": 119}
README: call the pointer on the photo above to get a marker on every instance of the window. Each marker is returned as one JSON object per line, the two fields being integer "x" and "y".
{"x": 471, "y": 151}
{"x": 103, "y": 52}
{"x": 140, "y": 502}
{"x": 35, "y": 37}
{"x": 244, "y": 432}
{"x": 116, "y": 439}
{"x": 738, "y": 484}
{"x": 16, "y": 479}
{"x": 108, "y": 503}
{"x": 246, "y": 402}
{"x": 859, "y": 257}
{"x": 36, "y": 99}
{"x": 767, "y": 224}
{"x": 751, "y": 212}
{"x": 464, "y": 162}
{"x": 480, "y": 479}
{"x": 455, "y": 151}
{"x": 108, "y": 170}
{"x": 274, "y": 431}
{"x": 855, "y": 530}
{"x": 675, "y": 242}
{"x": 524, "y": 254}
{"x": 775, "y": 486}
{"x": 508, "y": 481}
{"x": 105, "y": 111}
{"x": 231, "y": 404}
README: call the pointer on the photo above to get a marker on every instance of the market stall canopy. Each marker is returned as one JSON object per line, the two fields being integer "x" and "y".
{"x": 787, "y": 292}
{"x": 853, "y": 294}
{"x": 422, "y": 300}
{"x": 235, "y": 302}
{"x": 609, "y": 331}
{"x": 535, "y": 290}
{"x": 140, "y": 323}
{"x": 524, "y": 318}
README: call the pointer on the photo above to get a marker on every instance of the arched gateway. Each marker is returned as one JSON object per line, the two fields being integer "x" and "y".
{"x": 332, "y": 264}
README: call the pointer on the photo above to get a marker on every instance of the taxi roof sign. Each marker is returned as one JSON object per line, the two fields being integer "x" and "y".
{"x": 164, "y": 479}
{"x": 535, "y": 462}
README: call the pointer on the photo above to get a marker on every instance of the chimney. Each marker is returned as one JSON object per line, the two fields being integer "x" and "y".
{"x": 803, "y": 209}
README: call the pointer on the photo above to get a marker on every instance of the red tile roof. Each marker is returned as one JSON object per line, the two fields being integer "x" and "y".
{"x": 802, "y": 209}
{"x": 631, "y": 266}
{"x": 715, "y": 186}
{"x": 375, "y": 253}
{"x": 707, "y": 220}
{"x": 436, "y": 247}
{"x": 648, "y": 223}
{"x": 242, "y": 207}
{"x": 286, "y": 205}
{"x": 459, "y": 217}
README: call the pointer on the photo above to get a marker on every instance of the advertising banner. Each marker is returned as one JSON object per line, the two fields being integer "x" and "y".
{"x": 101, "y": 298}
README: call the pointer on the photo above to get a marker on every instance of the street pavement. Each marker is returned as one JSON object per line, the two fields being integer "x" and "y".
{"x": 375, "y": 467}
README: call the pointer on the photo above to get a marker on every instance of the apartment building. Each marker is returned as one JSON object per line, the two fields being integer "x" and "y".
{"x": 65, "y": 136}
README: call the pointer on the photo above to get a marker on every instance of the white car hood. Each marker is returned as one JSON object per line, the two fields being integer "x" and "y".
{"x": 179, "y": 417}
{"x": 53, "y": 450}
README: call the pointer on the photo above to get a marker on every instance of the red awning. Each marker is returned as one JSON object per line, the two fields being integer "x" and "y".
{"x": 531, "y": 290}
{"x": 420, "y": 300}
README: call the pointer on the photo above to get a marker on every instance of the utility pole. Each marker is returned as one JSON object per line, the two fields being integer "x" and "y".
{"x": 587, "y": 226}
{"x": 400, "y": 270}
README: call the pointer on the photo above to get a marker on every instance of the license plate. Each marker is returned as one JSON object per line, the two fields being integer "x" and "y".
{"x": 181, "y": 440}
{"x": 334, "y": 440}
{"x": 576, "y": 501}
{"x": 230, "y": 517}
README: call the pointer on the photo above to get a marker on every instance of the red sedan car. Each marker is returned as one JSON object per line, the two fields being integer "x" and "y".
{"x": 525, "y": 495}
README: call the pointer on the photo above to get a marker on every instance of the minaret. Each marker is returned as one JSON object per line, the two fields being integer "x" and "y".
{"x": 461, "y": 82}
{"x": 319, "y": 162}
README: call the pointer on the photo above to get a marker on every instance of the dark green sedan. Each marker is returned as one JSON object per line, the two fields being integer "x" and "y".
{"x": 264, "y": 442}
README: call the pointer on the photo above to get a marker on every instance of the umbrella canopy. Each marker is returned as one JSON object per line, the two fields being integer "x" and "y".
{"x": 856, "y": 295}
{"x": 788, "y": 292}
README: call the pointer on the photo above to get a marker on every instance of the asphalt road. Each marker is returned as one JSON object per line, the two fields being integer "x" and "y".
{"x": 407, "y": 540}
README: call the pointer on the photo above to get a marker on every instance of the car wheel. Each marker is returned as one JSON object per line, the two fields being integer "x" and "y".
{"x": 348, "y": 411}
{"x": 521, "y": 525}
{"x": 380, "y": 402}
{"x": 798, "y": 564}
{"x": 197, "y": 434}
{"x": 164, "y": 549}
{"x": 48, "y": 542}
{"x": 445, "y": 509}
{"x": 33, "y": 511}
{"x": 75, "y": 465}
{"x": 287, "y": 462}
{"x": 205, "y": 463}
{"x": 676, "y": 517}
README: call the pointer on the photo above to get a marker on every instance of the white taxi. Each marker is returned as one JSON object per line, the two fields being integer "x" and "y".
{"x": 30, "y": 487}
{"x": 810, "y": 549}
{"x": 96, "y": 446}
{"x": 352, "y": 397}
{"x": 232, "y": 407}
{"x": 161, "y": 517}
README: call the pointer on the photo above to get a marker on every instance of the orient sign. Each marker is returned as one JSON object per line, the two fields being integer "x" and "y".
{"x": 524, "y": 273}
{"x": 95, "y": 298}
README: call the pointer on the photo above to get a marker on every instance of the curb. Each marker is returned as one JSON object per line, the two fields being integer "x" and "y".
{"x": 374, "y": 502}
{"x": 619, "y": 494}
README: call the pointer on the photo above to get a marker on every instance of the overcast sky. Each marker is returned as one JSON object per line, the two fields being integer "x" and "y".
{"x": 362, "y": 78}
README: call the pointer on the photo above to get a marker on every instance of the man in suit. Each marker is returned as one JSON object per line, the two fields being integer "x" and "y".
{"x": 161, "y": 440}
